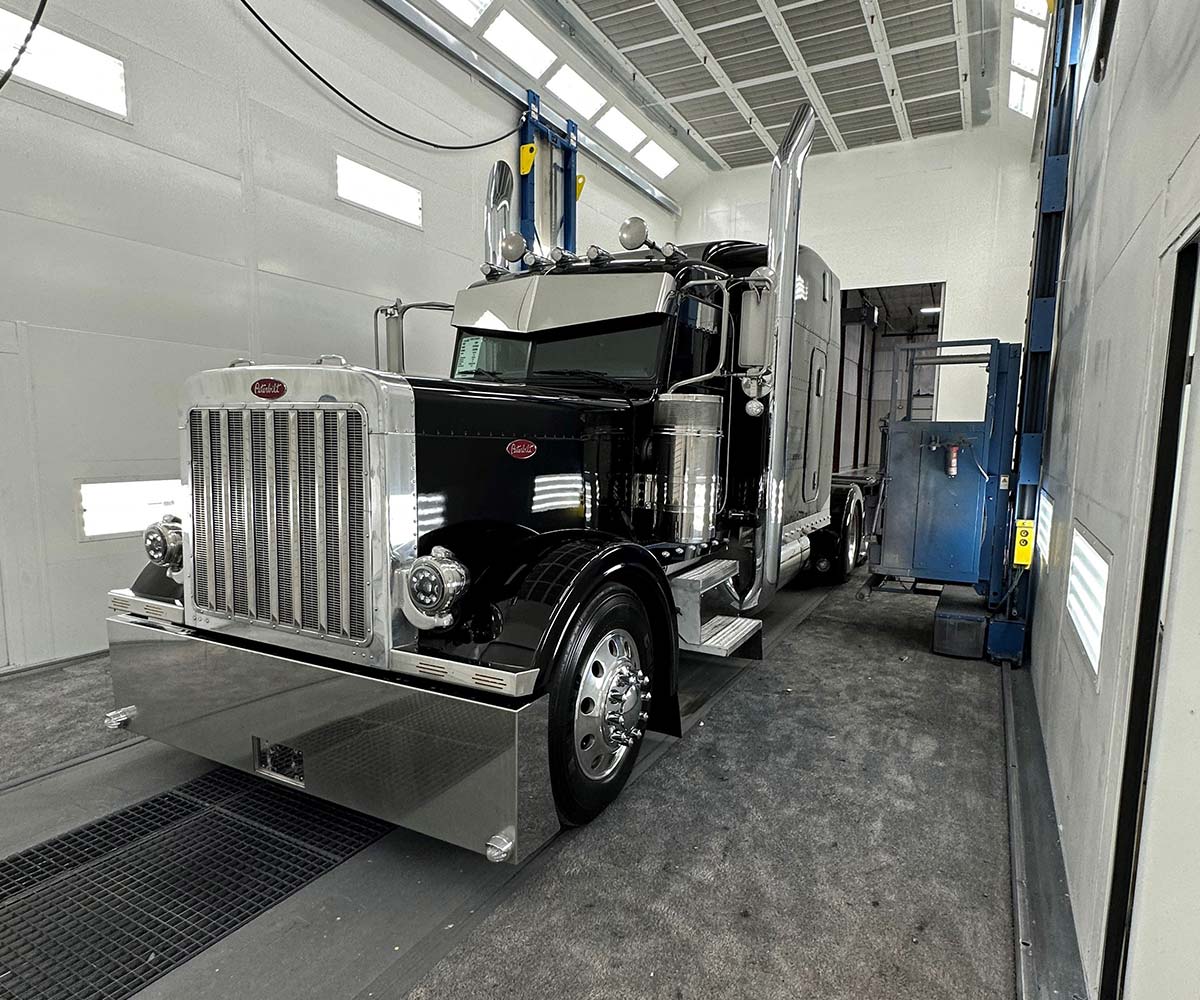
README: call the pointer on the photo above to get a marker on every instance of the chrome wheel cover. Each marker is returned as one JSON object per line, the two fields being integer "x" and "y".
{"x": 610, "y": 706}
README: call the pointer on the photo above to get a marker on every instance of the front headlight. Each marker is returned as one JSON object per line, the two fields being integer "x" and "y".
{"x": 163, "y": 542}
{"x": 436, "y": 582}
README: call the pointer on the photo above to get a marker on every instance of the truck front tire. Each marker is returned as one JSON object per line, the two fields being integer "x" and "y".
{"x": 599, "y": 694}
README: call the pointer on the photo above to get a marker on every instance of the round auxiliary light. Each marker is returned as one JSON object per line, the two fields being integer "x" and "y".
{"x": 436, "y": 582}
{"x": 163, "y": 542}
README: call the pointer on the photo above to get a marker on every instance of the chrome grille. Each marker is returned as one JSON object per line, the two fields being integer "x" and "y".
{"x": 279, "y": 517}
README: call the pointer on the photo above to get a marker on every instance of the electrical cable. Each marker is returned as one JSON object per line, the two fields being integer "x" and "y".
{"x": 37, "y": 18}
{"x": 363, "y": 111}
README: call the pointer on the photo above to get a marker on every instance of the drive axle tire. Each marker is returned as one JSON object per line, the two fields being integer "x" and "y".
{"x": 849, "y": 547}
{"x": 599, "y": 690}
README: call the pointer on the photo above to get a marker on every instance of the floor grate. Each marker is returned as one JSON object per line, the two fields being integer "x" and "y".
{"x": 108, "y": 908}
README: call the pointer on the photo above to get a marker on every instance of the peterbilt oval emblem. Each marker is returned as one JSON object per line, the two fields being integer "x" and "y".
{"x": 268, "y": 388}
{"x": 521, "y": 448}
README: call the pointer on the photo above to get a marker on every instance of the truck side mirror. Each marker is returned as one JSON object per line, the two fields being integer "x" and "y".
{"x": 752, "y": 338}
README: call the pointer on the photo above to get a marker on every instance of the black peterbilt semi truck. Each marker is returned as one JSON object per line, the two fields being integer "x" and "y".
{"x": 459, "y": 603}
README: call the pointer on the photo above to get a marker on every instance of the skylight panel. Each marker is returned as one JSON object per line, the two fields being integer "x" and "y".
{"x": 1022, "y": 93}
{"x": 1027, "y": 39}
{"x": 467, "y": 11}
{"x": 614, "y": 124}
{"x": 380, "y": 193}
{"x": 63, "y": 65}
{"x": 576, "y": 91}
{"x": 512, "y": 39}
{"x": 657, "y": 158}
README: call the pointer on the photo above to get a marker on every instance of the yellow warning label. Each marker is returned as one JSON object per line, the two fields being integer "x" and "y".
{"x": 1023, "y": 545}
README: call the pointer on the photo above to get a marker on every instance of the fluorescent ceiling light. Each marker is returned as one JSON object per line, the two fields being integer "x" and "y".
{"x": 931, "y": 310}
{"x": 1034, "y": 8}
{"x": 1022, "y": 93}
{"x": 467, "y": 11}
{"x": 657, "y": 158}
{"x": 520, "y": 44}
{"x": 1027, "y": 39}
{"x": 370, "y": 189}
{"x": 576, "y": 91}
{"x": 64, "y": 65}
{"x": 614, "y": 124}
{"x": 1045, "y": 525}
{"x": 1087, "y": 588}
{"x": 126, "y": 507}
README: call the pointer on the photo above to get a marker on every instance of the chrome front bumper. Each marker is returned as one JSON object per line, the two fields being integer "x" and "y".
{"x": 460, "y": 770}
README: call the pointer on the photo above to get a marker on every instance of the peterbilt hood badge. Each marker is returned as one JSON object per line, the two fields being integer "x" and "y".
{"x": 521, "y": 448}
{"x": 268, "y": 388}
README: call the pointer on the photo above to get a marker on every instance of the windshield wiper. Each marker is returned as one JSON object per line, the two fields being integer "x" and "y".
{"x": 596, "y": 376}
{"x": 486, "y": 372}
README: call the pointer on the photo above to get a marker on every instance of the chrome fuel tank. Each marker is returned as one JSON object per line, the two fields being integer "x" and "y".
{"x": 686, "y": 445}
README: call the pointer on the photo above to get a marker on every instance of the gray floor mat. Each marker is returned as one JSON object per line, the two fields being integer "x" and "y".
{"x": 54, "y": 715}
{"x": 837, "y": 828}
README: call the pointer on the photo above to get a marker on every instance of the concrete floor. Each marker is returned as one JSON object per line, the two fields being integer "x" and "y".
{"x": 837, "y": 827}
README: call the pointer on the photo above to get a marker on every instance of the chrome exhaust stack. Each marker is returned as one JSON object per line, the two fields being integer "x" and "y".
{"x": 783, "y": 245}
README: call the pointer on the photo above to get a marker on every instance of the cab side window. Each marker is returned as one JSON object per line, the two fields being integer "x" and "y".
{"x": 697, "y": 341}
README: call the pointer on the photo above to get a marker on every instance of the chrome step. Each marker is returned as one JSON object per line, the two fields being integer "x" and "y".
{"x": 723, "y": 635}
{"x": 689, "y": 589}
{"x": 705, "y": 576}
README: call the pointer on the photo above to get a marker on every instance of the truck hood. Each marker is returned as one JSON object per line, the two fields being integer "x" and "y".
{"x": 539, "y": 457}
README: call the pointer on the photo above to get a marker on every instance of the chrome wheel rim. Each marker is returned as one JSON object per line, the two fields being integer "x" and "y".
{"x": 610, "y": 707}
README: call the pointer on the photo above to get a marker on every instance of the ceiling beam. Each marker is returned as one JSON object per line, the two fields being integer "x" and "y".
{"x": 783, "y": 35}
{"x": 697, "y": 45}
{"x": 879, "y": 39}
{"x": 964, "y": 60}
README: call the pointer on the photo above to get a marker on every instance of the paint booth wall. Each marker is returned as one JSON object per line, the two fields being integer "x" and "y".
{"x": 957, "y": 208}
{"x": 1135, "y": 192}
{"x": 137, "y": 252}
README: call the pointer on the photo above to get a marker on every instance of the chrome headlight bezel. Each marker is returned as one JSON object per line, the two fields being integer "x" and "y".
{"x": 434, "y": 587}
{"x": 163, "y": 542}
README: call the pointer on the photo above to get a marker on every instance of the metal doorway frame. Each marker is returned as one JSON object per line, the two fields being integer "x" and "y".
{"x": 1144, "y": 676}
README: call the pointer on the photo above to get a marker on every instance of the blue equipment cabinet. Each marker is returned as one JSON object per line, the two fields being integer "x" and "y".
{"x": 943, "y": 514}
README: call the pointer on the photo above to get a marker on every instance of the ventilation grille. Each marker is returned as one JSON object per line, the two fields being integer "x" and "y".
{"x": 279, "y": 518}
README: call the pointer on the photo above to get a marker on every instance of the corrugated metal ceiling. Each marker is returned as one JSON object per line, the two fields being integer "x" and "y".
{"x": 770, "y": 50}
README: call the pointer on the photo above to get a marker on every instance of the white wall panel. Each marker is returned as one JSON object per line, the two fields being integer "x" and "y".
{"x": 135, "y": 252}
{"x": 1125, "y": 212}
{"x": 88, "y": 178}
{"x": 63, "y": 276}
{"x": 958, "y": 209}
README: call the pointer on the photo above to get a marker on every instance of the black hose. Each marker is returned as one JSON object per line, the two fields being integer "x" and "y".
{"x": 37, "y": 19}
{"x": 363, "y": 111}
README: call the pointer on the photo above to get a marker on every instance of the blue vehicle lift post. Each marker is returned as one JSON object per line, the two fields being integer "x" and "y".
{"x": 1008, "y": 636}
{"x": 533, "y": 129}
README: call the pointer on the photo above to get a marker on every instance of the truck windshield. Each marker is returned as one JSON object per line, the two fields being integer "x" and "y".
{"x": 626, "y": 353}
